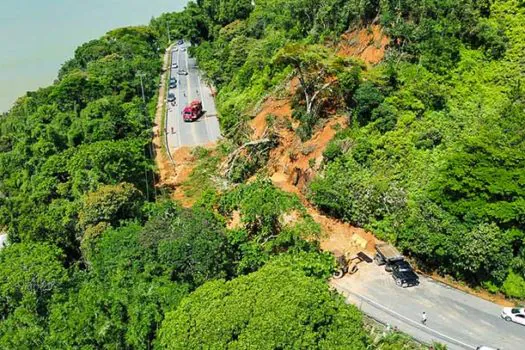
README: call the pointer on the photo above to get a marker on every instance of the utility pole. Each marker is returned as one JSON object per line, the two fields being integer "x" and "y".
{"x": 142, "y": 88}
{"x": 168, "y": 29}
{"x": 140, "y": 74}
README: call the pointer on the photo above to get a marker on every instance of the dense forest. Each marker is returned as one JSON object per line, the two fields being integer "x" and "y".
{"x": 432, "y": 160}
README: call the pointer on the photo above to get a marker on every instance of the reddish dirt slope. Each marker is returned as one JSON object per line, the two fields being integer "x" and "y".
{"x": 293, "y": 164}
{"x": 368, "y": 44}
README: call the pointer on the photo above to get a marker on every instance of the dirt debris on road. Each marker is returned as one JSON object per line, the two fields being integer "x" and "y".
{"x": 185, "y": 162}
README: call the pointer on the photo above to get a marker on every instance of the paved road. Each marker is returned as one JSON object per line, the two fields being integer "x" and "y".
{"x": 190, "y": 87}
{"x": 457, "y": 319}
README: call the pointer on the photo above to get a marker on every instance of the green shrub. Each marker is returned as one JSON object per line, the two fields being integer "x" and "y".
{"x": 367, "y": 97}
{"x": 332, "y": 150}
{"x": 514, "y": 286}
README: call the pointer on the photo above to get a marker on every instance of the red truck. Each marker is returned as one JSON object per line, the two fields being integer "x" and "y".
{"x": 193, "y": 111}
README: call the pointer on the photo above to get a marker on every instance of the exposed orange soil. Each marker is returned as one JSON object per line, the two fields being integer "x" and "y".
{"x": 235, "y": 221}
{"x": 281, "y": 109}
{"x": 368, "y": 44}
{"x": 184, "y": 165}
{"x": 336, "y": 235}
{"x": 293, "y": 164}
{"x": 293, "y": 158}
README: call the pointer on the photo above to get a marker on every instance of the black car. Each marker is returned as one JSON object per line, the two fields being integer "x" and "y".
{"x": 180, "y": 42}
{"x": 171, "y": 97}
{"x": 403, "y": 274}
{"x": 173, "y": 83}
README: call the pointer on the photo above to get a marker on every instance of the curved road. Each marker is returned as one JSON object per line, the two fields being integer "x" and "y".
{"x": 456, "y": 319}
{"x": 190, "y": 87}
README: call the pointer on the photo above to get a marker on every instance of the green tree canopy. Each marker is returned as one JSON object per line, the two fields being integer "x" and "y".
{"x": 31, "y": 274}
{"x": 190, "y": 244}
{"x": 275, "y": 307}
{"x": 111, "y": 204}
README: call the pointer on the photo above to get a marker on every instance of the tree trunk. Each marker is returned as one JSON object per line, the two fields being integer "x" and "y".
{"x": 227, "y": 165}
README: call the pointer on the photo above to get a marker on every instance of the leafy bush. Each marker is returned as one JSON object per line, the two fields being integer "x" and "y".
{"x": 514, "y": 286}
{"x": 332, "y": 151}
{"x": 367, "y": 97}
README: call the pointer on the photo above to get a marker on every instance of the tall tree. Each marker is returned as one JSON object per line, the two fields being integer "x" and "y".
{"x": 314, "y": 66}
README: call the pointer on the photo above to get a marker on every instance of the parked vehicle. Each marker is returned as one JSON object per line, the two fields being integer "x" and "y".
{"x": 180, "y": 42}
{"x": 483, "y": 347}
{"x": 193, "y": 111}
{"x": 387, "y": 254}
{"x": 403, "y": 274}
{"x": 173, "y": 83}
{"x": 348, "y": 264}
{"x": 513, "y": 314}
{"x": 174, "y": 65}
{"x": 171, "y": 97}
{"x": 394, "y": 262}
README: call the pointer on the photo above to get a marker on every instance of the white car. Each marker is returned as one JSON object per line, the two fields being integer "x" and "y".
{"x": 174, "y": 66}
{"x": 514, "y": 314}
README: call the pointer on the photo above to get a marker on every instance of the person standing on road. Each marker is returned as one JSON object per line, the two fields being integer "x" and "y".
{"x": 424, "y": 318}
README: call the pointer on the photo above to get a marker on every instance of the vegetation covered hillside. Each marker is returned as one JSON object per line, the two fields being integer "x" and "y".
{"x": 432, "y": 158}
{"x": 435, "y": 157}
{"x": 98, "y": 255}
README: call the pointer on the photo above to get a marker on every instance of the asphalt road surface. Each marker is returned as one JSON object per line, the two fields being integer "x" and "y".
{"x": 456, "y": 319}
{"x": 190, "y": 87}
